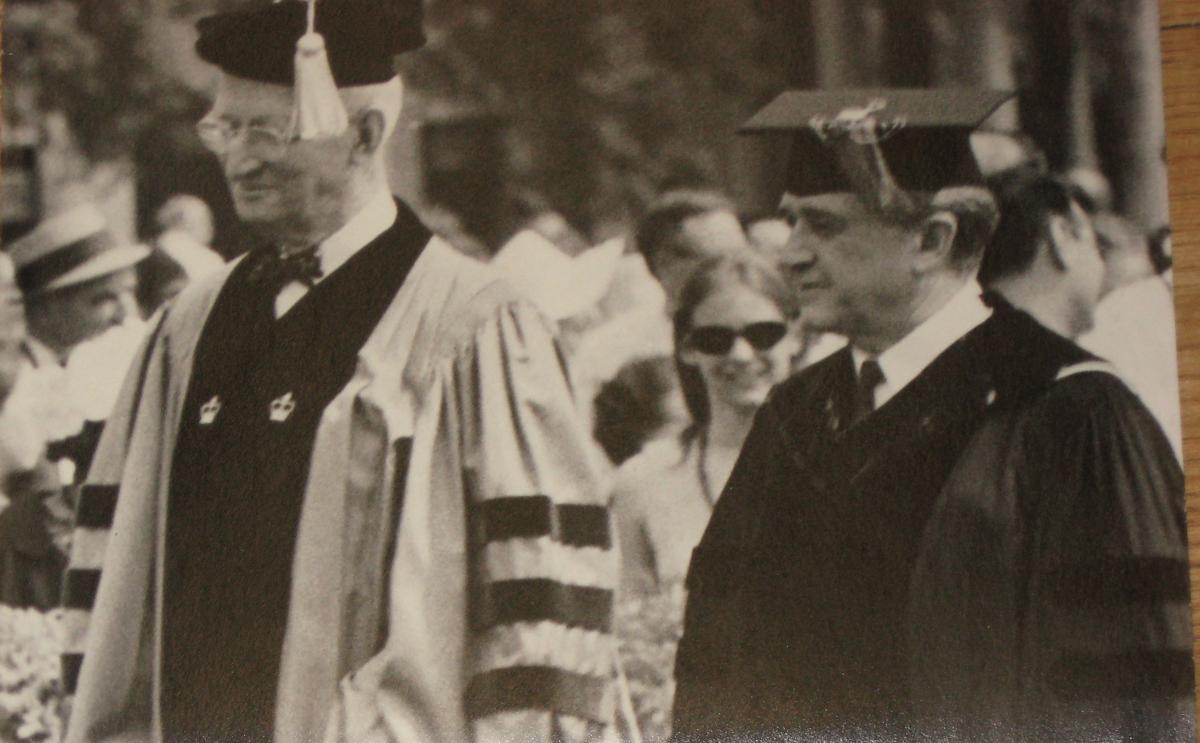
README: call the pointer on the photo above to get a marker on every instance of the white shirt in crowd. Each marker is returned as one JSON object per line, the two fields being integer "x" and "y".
{"x": 1135, "y": 331}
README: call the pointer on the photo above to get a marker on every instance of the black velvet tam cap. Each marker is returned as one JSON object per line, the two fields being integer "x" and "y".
{"x": 362, "y": 39}
{"x": 919, "y": 139}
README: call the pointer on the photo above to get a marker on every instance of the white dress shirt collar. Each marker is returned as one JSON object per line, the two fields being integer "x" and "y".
{"x": 907, "y": 358}
{"x": 376, "y": 216}
{"x": 40, "y": 355}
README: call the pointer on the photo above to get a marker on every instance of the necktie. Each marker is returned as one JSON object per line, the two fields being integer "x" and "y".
{"x": 274, "y": 269}
{"x": 870, "y": 376}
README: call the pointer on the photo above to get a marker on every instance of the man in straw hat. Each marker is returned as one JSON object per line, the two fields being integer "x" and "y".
{"x": 348, "y": 495}
{"x": 960, "y": 527}
{"x": 76, "y": 281}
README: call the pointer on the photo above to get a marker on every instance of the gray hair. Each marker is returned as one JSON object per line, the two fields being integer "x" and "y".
{"x": 387, "y": 98}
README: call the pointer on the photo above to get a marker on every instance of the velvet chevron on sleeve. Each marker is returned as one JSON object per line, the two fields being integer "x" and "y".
{"x": 97, "y": 501}
{"x": 542, "y": 566}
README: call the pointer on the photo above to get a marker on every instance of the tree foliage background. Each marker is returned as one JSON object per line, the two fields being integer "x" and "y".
{"x": 604, "y": 101}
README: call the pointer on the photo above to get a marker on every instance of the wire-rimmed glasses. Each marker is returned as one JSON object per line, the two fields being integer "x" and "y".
{"x": 269, "y": 141}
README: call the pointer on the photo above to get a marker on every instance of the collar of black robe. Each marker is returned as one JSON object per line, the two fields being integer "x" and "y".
{"x": 1000, "y": 363}
{"x": 341, "y": 310}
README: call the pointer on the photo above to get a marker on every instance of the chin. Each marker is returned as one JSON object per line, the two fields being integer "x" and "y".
{"x": 821, "y": 321}
{"x": 257, "y": 204}
{"x": 260, "y": 220}
{"x": 748, "y": 400}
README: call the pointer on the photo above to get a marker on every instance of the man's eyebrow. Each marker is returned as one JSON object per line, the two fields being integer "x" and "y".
{"x": 816, "y": 212}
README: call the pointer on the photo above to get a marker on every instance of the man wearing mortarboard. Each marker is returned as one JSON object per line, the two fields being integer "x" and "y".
{"x": 960, "y": 527}
{"x": 345, "y": 496}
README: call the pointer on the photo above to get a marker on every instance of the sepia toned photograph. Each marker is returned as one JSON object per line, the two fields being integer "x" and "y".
{"x": 608, "y": 371}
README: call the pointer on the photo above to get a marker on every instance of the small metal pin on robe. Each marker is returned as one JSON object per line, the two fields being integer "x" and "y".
{"x": 209, "y": 410}
{"x": 282, "y": 407}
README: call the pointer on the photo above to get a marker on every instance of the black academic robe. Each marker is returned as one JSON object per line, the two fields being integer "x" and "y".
{"x": 837, "y": 594}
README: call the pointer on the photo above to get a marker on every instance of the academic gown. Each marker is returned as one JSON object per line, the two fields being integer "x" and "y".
{"x": 35, "y": 524}
{"x": 984, "y": 549}
{"x": 443, "y": 556}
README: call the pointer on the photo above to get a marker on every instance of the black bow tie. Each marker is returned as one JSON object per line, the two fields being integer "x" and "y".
{"x": 274, "y": 269}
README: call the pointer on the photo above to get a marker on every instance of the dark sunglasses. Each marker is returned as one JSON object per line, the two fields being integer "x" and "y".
{"x": 717, "y": 340}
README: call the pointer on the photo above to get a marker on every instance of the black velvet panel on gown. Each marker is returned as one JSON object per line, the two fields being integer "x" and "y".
{"x": 258, "y": 388}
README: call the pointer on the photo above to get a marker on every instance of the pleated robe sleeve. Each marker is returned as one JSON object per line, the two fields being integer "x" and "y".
{"x": 1106, "y": 631}
{"x": 1051, "y": 600}
{"x": 107, "y": 615}
{"x": 541, "y": 566}
{"x": 501, "y": 590}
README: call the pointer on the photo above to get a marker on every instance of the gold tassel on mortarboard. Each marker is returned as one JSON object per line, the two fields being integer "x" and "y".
{"x": 855, "y": 136}
{"x": 318, "y": 112}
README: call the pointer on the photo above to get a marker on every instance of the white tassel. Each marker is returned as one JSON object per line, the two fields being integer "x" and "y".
{"x": 319, "y": 112}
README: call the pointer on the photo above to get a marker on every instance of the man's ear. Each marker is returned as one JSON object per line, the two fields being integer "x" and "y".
{"x": 688, "y": 356}
{"x": 936, "y": 240}
{"x": 369, "y": 132}
{"x": 1062, "y": 234}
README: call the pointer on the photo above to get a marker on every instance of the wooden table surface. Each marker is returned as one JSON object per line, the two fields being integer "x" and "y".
{"x": 1180, "y": 20}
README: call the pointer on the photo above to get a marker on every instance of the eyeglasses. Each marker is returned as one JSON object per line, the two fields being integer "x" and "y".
{"x": 717, "y": 340}
{"x": 218, "y": 134}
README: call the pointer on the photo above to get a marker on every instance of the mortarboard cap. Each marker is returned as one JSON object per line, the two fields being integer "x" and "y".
{"x": 362, "y": 39}
{"x": 886, "y": 141}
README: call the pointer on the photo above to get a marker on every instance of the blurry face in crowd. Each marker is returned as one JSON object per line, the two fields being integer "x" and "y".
{"x": 285, "y": 190}
{"x": 65, "y": 318}
{"x": 849, "y": 266}
{"x": 769, "y": 236}
{"x": 742, "y": 376}
{"x": 700, "y": 237}
{"x": 1079, "y": 255}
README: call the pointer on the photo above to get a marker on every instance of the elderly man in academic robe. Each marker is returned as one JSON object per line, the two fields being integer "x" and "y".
{"x": 349, "y": 499}
{"x": 960, "y": 527}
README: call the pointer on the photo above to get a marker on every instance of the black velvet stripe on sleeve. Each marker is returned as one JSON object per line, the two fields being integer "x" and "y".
{"x": 538, "y": 687}
{"x": 79, "y": 591}
{"x": 1120, "y": 582}
{"x": 539, "y": 599}
{"x": 71, "y": 663}
{"x": 97, "y": 504}
{"x": 1141, "y": 674}
{"x": 532, "y": 516}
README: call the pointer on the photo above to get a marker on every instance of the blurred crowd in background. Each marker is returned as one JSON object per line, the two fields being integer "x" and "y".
{"x": 623, "y": 209}
{"x": 674, "y": 334}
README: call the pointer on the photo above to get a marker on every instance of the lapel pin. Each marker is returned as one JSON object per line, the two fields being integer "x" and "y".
{"x": 209, "y": 410}
{"x": 282, "y": 407}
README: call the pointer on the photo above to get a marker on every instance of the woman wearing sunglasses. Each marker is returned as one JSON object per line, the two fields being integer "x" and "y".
{"x": 735, "y": 338}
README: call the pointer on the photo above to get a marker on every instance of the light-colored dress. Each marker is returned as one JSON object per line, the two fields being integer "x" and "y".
{"x": 661, "y": 508}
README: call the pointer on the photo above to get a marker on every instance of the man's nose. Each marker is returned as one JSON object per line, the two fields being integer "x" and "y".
{"x": 239, "y": 161}
{"x": 798, "y": 253}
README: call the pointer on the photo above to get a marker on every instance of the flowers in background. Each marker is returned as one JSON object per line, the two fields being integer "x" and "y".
{"x": 32, "y": 706}
{"x": 648, "y": 630}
